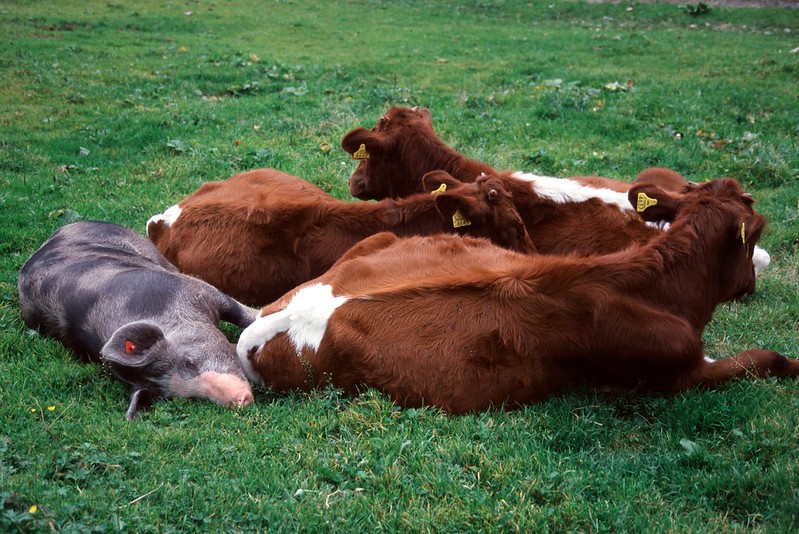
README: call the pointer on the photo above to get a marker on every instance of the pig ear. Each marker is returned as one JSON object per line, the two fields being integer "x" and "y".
{"x": 361, "y": 143}
{"x": 141, "y": 400}
{"x": 130, "y": 345}
{"x": 432, "y": 182}
{"x": 653, "y": 203}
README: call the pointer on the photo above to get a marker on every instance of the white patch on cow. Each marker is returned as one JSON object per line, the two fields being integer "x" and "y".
{"x": 310, "y": 310}
{"x": 304, "y": 320}
{"x": 168, "y": 217}
{"x": 563, "y": 190}
{"x": 761, "y": 260}
{"x": 659, "y": 225}
{"x": 709, "y": 360}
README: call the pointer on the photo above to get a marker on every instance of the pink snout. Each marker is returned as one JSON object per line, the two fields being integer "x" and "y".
{"x": 224, "y": 389}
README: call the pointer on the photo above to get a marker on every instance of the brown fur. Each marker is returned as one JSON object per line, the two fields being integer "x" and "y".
{"x": 259, "y": 234}
{"x": 464, "y": 325}
{"x": 403, "y": 146}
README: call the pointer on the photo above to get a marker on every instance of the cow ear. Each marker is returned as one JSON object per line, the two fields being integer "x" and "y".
{"x": 361, "y": 143}
{"x": 652, "y": 203}
{"x": 434, "y": 180}
{"x": 456, "y": 210}
{"x": 424, "y": 113}
{"x": 141, "y": 400}
{"x": 131, "y": 344}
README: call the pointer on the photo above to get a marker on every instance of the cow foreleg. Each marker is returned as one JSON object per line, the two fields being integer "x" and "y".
{"x": 752, "y": 363}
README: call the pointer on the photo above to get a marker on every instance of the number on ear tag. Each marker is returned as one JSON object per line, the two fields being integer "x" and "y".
{"x": 361, "y": 153}
{"x": 644, "y": 202}
{"x": 458, "y": 220}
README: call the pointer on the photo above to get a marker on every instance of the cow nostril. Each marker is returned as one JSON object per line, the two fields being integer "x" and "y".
{"x": 356, "y": 186}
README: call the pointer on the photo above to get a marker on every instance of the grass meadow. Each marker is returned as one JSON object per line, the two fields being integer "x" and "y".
{"x": 115, "y": 110}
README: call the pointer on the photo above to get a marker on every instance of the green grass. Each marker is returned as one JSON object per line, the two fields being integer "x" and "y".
{"x": 116, "y": 110}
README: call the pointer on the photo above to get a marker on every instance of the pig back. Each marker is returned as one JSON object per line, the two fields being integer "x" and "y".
{"x": 88, "y": 279}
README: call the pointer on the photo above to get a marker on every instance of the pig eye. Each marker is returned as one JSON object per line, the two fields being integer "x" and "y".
{"x": 129, "y": 346}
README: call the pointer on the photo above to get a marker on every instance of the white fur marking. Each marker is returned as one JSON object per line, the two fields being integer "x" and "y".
{"x": 761, "y": 260}
{"x": 168, "y": 217}
{"x": 659, "y": 225}
{"x": 310, "y": 309}
{"x": 304, "y": 320}
{"x": 709, "y": 360}
{"x": 563, "y": 190}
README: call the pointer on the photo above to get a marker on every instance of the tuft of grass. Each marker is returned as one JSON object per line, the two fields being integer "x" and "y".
{"x": 117, "y": 110}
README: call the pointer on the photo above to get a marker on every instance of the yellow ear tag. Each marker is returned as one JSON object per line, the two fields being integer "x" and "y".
{"x": 743, "y": 237}
{"x": 458, "y": 220}
{"x": 644, "y": 202}
{"x": 361, "y": 153}
{"x": 441, "y": 189}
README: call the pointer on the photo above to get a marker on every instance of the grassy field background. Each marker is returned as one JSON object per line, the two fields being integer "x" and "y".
{"x": 116, "y": 110}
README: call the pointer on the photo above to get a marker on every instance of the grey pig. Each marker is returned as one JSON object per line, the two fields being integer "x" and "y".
{"x": 109, "y": 295}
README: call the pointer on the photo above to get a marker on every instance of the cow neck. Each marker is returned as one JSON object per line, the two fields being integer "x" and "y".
{"x": 431, "y": 154}
{"x": 682, "y": 269}
{"x": 463, "y": 168}
{"x": 415, "y": 215}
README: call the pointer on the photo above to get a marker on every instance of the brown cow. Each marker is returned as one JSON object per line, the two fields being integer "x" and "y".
{"x": 582, "y": 215}
{"x": 402, "y": 147}
{"x": 464, "y": 325}
{"x": 259, "y": 234}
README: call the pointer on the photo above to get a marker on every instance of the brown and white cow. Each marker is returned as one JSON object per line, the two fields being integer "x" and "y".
{"x": 259, "y": 234}
{"x": 464, "y": 325}
{"x": 402, "y": 147}
{"x": 582, "y": 214}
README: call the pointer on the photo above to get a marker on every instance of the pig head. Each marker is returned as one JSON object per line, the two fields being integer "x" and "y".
{"x": 109, "y": 295}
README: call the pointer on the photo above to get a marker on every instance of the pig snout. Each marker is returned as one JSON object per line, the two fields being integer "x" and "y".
{"x": 224, "y": 389}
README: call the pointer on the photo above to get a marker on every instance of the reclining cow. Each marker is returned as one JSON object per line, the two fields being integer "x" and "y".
{"x": 259, "y": 234}
{"x": 402, "y": 147}
{"x": 108, "y": 295}
{"x": 464, "y": 325}
{"x": 582, "y": 215}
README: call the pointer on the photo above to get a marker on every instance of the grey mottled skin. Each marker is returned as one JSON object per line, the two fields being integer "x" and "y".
{"x": 109, "y": 295}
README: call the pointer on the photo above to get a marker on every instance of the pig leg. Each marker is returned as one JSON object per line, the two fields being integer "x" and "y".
{"x": 140, "y": 400}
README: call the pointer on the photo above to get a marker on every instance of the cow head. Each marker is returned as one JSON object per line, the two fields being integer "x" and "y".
{"x": 392, "y": 154}
{"x": 193, "y": 362}
{"x": 722, "y": 218}
{"x": 482, "y": 209}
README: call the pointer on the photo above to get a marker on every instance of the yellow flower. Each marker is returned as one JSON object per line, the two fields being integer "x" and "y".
{"x": 33, "y": 410}
{"x": 32, "y": 509}
{"x": 50, "y": 408}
